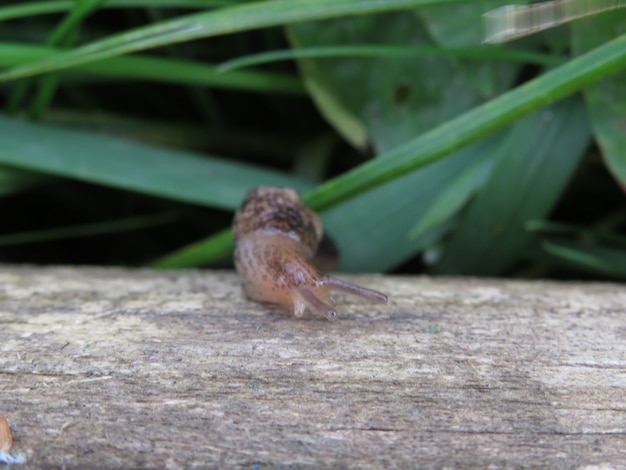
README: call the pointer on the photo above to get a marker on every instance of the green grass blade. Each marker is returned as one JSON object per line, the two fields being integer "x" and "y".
{"x": 65, "y": 35}
{"x": 598, "y": 260}
{"x": 32, "y": 9}
{"x": 606, "y": 100}
{"x": 218, "y": 247}
{"x": 42, "y": 8}
{"x": 388, "y": 212}
{"x": 171, "y": 174}
{"x": 86, "y": 230}
{"x": 546, "y": 227}
{"x": 454, "y": 196}
{"x": 80, "y": 10}
{"x": 477, "y": 53}
{"x": 602, "y": 232}
{"x": 534, "y": 164}
{"x": 206, "y": 24}
{"x": 161, "y": 70}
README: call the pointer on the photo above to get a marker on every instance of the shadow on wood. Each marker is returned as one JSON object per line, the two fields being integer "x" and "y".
{"x": 112, "y": 368}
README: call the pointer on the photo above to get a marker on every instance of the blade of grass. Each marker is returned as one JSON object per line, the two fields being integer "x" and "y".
{"x": 478, "y": 53}
{"x": 388, "y": 212}
{"x": 606, "y": 261}
{"x": 78, "y": 13}
{"x": 533, "y": 166}
{"x": 455, "y": 196}
{"x": 606, "y": 101}
{"x": 95, "y": 158}
{"x": 546, "y": 227}
{"x": 161, "y": 70}
{"x": 32, "y": 9}
{"x": 597, "y": 233}
{"x": 42, "y": 8}
{"x": 217, "y": 248}
{"x": 86, "y": 230}
{"x": 65, "y": 35}
{"x": 207, "y": 24}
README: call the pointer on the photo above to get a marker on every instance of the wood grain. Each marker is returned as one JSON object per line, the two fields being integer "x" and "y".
{"x": 113, "y": 368}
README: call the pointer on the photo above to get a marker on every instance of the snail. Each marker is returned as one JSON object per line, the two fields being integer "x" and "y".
{"x": 6, "y": 439}
{"x": 276, "y": 237}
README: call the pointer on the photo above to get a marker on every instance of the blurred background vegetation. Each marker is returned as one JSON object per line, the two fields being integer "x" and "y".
{"x": 130, "y": 131}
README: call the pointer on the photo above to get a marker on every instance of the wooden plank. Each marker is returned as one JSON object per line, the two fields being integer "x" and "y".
{"x": 113, "y": 368}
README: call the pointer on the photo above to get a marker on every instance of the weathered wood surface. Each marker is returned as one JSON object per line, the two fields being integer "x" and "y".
{"x": 125, "y": 369}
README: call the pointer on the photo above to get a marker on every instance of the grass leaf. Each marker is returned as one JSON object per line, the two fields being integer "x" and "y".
{"x": 454, "y": 196}
{"x": 56, "y": 6}
{"x": 171, "y": 174}
{"x": 606, "y": 99}
{"x": 598, "y": 260}
{"x": 526, "y": 182}
{"x": 161, "y": 70}
{"x": 374, "y": 50}
{"x": 217, "y": 247}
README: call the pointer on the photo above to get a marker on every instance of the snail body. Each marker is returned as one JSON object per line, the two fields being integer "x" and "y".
{"x": 276, "y": 237}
